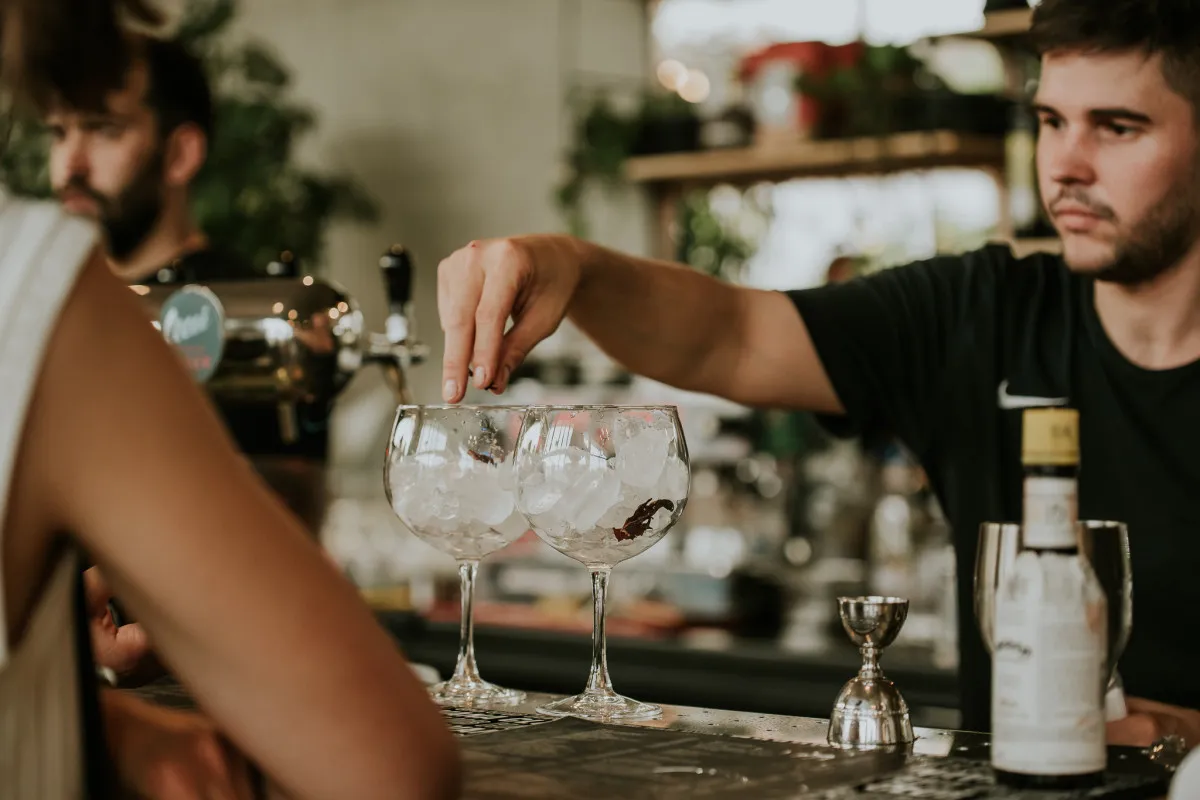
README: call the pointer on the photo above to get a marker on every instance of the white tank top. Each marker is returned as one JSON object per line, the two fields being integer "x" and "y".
{"x": 42, "y": 250}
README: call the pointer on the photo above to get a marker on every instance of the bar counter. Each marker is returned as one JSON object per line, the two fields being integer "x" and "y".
{"x": 707, "y": 753}
{"x": 755, "y": 676}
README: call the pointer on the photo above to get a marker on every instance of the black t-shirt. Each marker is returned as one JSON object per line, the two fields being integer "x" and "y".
{"x": 255, "y": 427}
{"x": 925, "y": 352}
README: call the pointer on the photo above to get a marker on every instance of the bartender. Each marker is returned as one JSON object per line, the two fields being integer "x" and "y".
{"x": 946, "y": 353}
{"x": 130, "y": 166}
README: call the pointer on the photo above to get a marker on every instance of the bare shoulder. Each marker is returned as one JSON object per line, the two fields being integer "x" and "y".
{"x": 128, "y": 456}
{"x": 42, "y": 251}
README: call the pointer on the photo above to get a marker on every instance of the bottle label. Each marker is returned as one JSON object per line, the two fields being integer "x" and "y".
{"x": 1051, "y": 512}
{"x": 1050, "y": 668}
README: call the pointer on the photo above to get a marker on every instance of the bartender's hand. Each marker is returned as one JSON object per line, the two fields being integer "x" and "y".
{"x": 530, "y": 279}
{"x": 126, "y": 649}
{"x": 166, "y": 754}
{"x": 1149, "y": 721}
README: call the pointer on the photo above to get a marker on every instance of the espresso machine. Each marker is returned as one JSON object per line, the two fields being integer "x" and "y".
{"x": 287, "y": 340}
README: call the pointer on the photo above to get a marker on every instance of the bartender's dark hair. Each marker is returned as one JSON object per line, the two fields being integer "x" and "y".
{"x": 1170, "y": 28}
{"x": 178, "y": 91}
{"x": 69, "y": 52}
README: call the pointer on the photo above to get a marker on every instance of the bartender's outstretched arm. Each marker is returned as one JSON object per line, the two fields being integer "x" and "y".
{"x": 661, "y": 320}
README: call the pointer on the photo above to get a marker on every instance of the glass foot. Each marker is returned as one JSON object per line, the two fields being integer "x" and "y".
{"x": 474, "y": 694}
{"x": 602, "y": 707}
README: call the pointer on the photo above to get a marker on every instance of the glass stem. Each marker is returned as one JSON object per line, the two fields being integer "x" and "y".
{"x": 465, "y": 669}
{"x": 598, "y": 677}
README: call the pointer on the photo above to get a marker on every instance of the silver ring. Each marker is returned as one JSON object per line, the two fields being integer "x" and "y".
{"x": 1168, "y": 751}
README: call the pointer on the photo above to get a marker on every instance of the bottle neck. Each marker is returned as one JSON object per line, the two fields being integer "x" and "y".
{"x": 1051, "y": 504}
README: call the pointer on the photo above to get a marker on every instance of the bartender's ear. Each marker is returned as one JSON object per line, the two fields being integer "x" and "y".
{"x": 186, "y": 150}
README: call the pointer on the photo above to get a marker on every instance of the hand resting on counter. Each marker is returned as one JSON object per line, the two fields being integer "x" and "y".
{"x": 1148, "y": 721}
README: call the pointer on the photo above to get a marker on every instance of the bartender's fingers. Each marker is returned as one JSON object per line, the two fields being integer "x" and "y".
{"x": 96, "y": 591}
{"x": 460, "y": 282}
{"x": 1135, "y": 730}
{"x": 495, "y": 306}
{"x": 529, "y": 329}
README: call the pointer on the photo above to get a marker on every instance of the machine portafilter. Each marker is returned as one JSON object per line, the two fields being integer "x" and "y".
{"x": 288, "y": 340}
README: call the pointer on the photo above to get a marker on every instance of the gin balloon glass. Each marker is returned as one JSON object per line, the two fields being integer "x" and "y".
{"x": 449, "y": 475}
{"x": 602, "y": 484}
{"x": 1104, "y": 543}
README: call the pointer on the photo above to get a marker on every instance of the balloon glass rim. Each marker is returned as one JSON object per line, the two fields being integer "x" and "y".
{"x": 1087, "y": 523}
{"x": 605, "y": 407}
{"x": 534, "y": 407}
{"x": 464, "y": 407}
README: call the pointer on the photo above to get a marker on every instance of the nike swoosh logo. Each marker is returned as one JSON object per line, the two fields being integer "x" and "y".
{"x": 1008, "y": 401}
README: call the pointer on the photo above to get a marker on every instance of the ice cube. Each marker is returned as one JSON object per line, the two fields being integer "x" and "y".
{"x": 614, "y": 517}
{"x": 526, "y": 466}
{"x": 640, "y": 461}
{"x": 567, "y": 462}
{"x": 575, "y": 494}
{"x": 674, "y": 482}
{"x": 506, "y": 476}
{"x": 539, "y": 495}
{"x": 446, "y": 504}
{"x": 660, "y": 520}
{"x": 491, "y": 504}
{"x": 627, "y": 428}
{"x": 404, "y": 473}
{"x": 662, "y": 421}
{"x": 626, "y": 504}
{"x": 601, "y": 492}
{"x": 513, "y": 527}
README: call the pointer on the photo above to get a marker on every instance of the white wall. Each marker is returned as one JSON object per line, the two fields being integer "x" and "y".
{"x": 451, "y": 112}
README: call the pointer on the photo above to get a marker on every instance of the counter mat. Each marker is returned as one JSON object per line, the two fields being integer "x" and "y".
{"x": 570, "y": 758}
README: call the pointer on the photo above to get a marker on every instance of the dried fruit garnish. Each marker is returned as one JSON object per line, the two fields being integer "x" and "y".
{"x": 639, "y": 520}
{"x": 483, "y": 458}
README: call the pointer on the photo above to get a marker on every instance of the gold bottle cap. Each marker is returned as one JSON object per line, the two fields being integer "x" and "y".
{"x": 1050, "y": 437}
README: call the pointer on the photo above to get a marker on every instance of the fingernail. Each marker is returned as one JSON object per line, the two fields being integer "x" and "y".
{"x": 501, "y": 382}
{"x": 481, "y": 378}
{"x": 450, "y": 390}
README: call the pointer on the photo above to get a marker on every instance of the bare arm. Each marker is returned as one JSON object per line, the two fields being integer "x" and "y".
{"x": 242, "y": 606}
{"x": 660, "y": 320}
{"x": 676, "y": 325}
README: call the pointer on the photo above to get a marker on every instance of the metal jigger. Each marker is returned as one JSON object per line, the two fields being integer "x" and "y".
{"x": 869, "y": 712}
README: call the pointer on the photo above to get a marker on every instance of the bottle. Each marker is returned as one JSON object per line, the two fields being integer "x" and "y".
{"x": 1050, "y": 662}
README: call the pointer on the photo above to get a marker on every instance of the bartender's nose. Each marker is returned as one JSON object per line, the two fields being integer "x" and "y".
{"x": 74, "y": 155}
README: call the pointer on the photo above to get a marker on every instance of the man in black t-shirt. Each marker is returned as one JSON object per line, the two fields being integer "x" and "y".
{"x": 131, "y": 167}
{"x": 944, "y": 353}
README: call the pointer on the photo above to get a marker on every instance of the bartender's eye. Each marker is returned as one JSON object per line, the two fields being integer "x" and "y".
{"x": 107, "y": 128}
{"x": 1119, "y": 130}
{"x": 1051, "y": 121}
{"x": 57, "y": 132}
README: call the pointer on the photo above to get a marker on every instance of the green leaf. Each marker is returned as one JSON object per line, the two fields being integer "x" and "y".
{"x": 262, "y": 67}
{"x": 203, "y": 19}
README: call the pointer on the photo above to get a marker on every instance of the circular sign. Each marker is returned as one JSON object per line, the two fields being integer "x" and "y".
{"x": 193, "y": 321}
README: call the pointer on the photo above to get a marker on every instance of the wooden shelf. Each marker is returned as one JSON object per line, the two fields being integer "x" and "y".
{"x": 1003, "y": 24}
{"x": 828, "y": 158}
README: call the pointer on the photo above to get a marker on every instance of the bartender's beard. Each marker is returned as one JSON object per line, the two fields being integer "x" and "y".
{"x": 129, "y": 217}
{"x": 1155, "y": 243}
